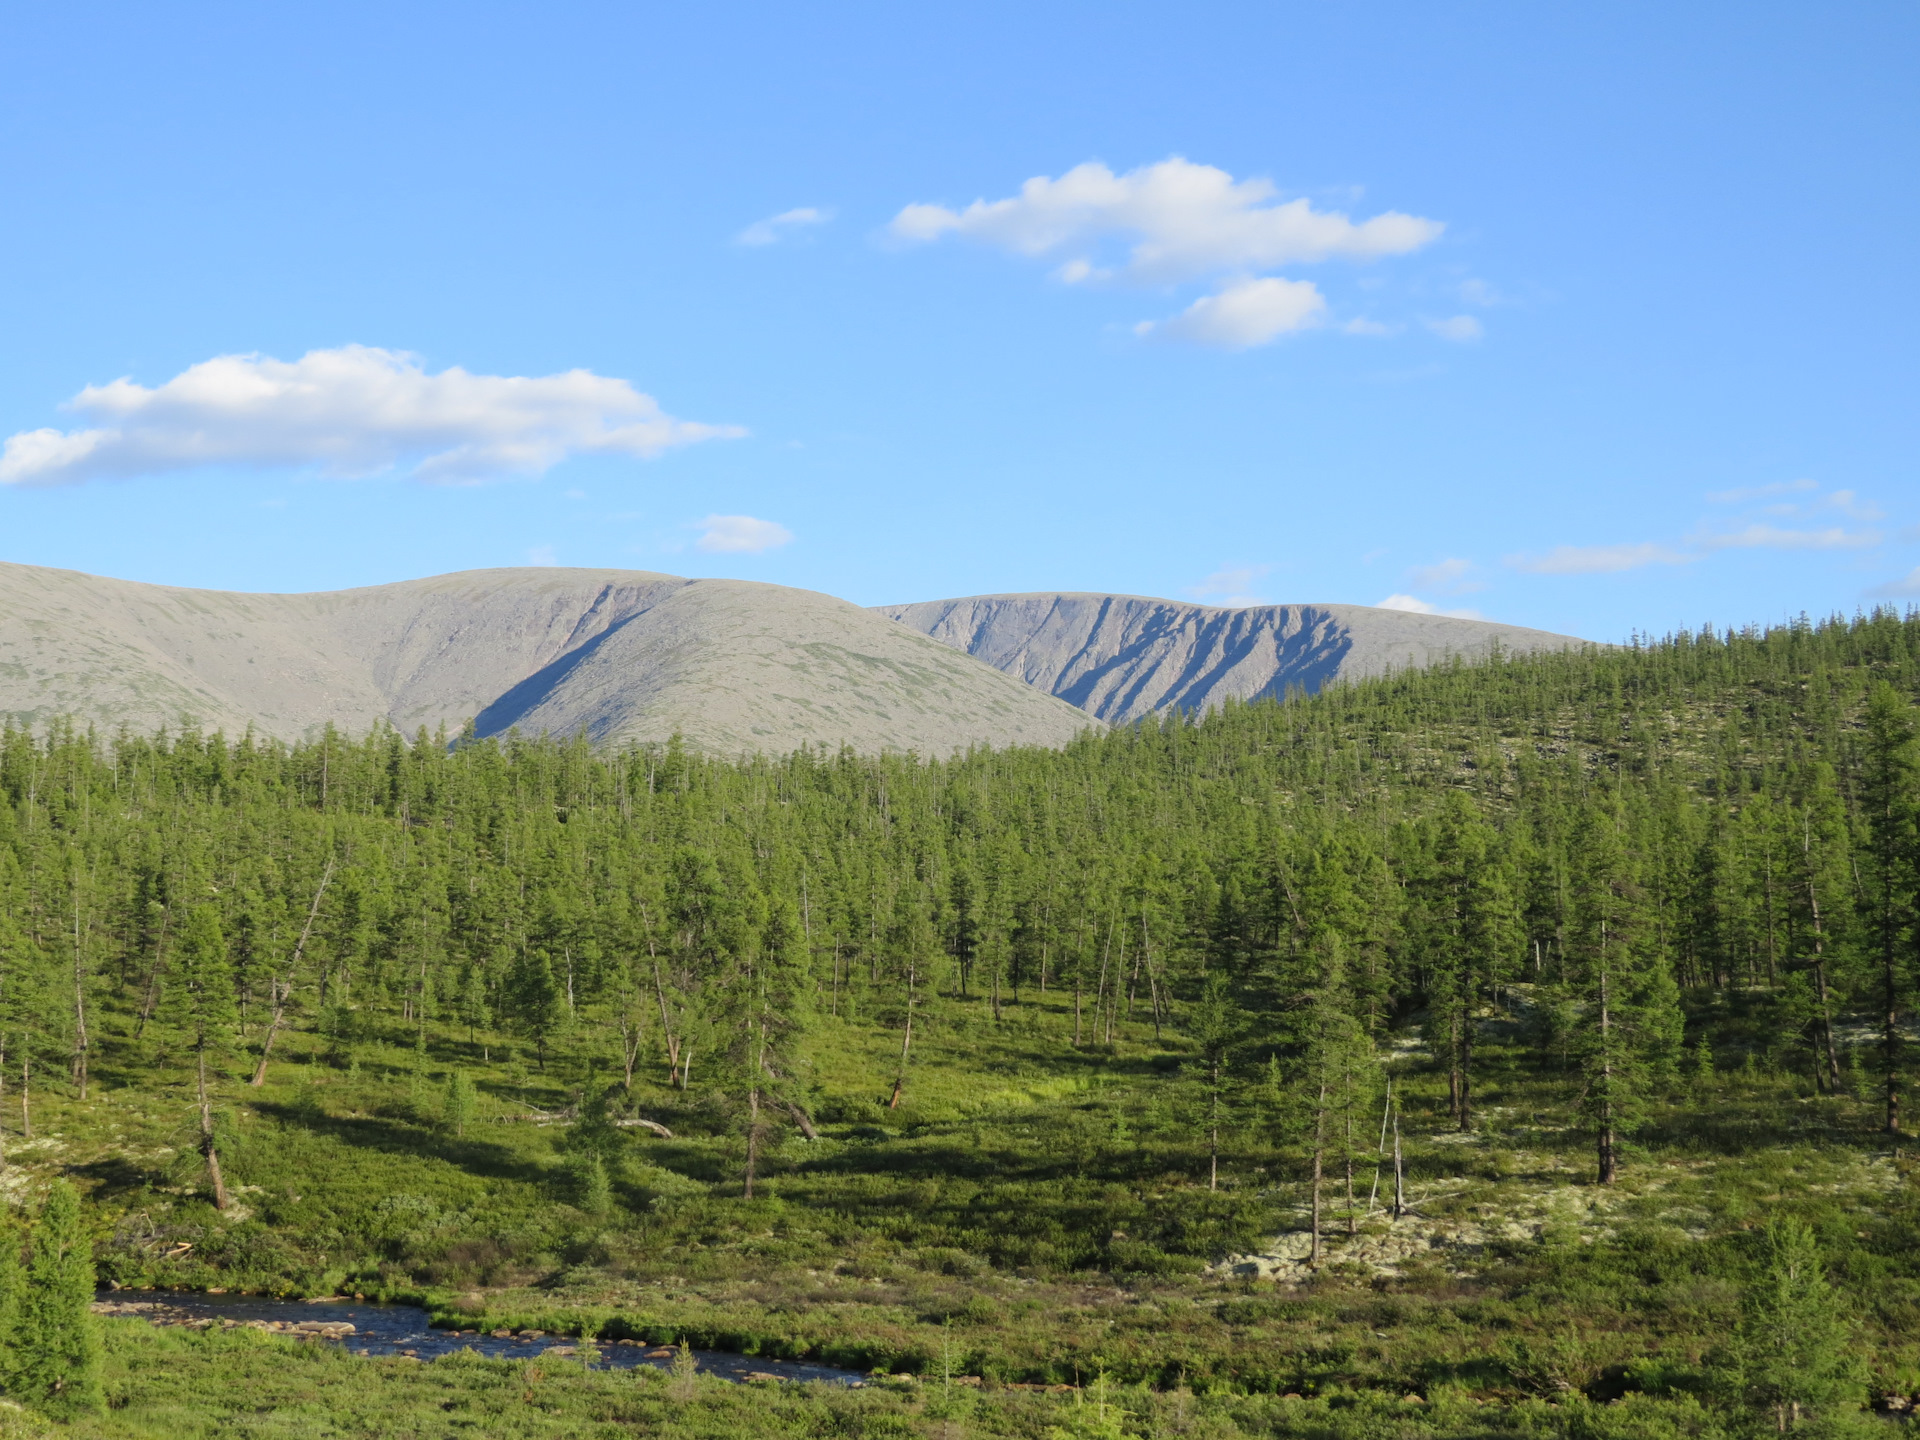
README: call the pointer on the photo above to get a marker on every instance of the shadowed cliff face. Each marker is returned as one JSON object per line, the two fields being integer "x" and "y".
{"x": 1123, "y": 656}
{"x": 615, "y": 655}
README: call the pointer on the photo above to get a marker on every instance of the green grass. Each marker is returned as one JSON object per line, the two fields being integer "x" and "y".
{"x": 1034, "y": 1215}
{"x": 173, "y": 1385}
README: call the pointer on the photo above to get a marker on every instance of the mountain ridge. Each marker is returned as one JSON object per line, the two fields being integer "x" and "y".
{"x": 1123, "y": 657}
{"x": 616, "y": 655}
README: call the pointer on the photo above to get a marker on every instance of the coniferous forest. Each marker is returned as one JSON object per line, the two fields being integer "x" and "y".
{"x": 1515, "y": 1048}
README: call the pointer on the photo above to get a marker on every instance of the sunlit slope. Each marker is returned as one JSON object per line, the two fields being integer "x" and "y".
{"x": 617, "y": 655}
{"x": 1123, "y": 656}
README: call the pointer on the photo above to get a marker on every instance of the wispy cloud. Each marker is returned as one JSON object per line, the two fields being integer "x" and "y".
{"x": 1461, "y": 329}
{"x": 1231, "y": 586}
{"x": 772, "y": 229}
{"x": 1772, "y": 537}
{"x": 1172, "y": 223}
{"x": 1414, "y": 605}
{"x": 1729, "y": 534}
{"x": 1449, "y": 577}
{"x": 740, "y": 535}
{"x": 1848, "y": 503}
{"x": 1908, "y": 584}
{"x": 1762, "y": 492}
{"x": 1597, "y": 559}
{"x": 354, "y": 411}
{"x": 542, "y": 555}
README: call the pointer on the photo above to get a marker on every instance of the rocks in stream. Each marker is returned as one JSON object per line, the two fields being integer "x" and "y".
{"x": 156, "y": 1312}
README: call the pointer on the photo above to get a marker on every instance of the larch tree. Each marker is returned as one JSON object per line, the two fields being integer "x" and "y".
{"x": 199, "y": 999}
{"x": 1629, "y": 1018}
{"x": 1887, "y": 797}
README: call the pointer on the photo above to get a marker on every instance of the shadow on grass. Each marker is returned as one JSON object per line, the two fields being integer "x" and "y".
{"x": 116, "y": 1177}
{"x": 388, "y": 1136}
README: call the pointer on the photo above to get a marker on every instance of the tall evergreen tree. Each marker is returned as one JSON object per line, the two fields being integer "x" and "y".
{"x": 56, "y": 1364}
{"x": 1889, "y": 802}
{"x": 1794, "y": 1351}
{"x": 1629, "y": 1016}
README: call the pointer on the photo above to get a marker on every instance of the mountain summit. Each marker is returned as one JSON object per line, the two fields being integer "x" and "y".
{"x": 1120, "y": 657}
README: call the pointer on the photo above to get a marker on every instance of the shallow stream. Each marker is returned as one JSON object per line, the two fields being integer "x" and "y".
{"x": 366, "y": 1328}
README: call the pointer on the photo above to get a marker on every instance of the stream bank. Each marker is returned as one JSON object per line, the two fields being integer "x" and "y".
{"x": 371, "y": 1328}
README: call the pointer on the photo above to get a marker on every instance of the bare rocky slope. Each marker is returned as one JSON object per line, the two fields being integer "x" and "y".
{"x": 616, "y": 655}
{"x": 1120, "y": 657}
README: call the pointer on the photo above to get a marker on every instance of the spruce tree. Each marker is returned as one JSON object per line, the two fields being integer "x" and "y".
{"x": 1794, "y": 1348}
{"x": 56, "y": 1361}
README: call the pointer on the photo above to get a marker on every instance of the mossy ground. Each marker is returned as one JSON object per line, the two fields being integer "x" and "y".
{"x": 1036, "y": 1214}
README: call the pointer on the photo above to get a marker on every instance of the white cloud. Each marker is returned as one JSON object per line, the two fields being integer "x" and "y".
{"x": 769, "y": 230}
{"x": 1252, "y": 312}
{"x": 1478, "y": 292}
{"x": 1771, "y": 537}
{"x": 740, "y": 535}
{"x": 1597, "y": 559}
{"x": 1449, "y": 577}
{"x": 1761, "y": 492}
{"x": 1909, "y": 584}
{"x": 1413, "y": 605}
{"x": 1848, "y": 503}
{"x": 1184, "y": 221}
{"x": 1176, "y": 222}
{"x": 1461, "y": 329}
{"x": 542, "y": 555}
{"x": 1229, "y": 587}
{"x": 354, "y": 411}
{"x": 1360, "y": 325}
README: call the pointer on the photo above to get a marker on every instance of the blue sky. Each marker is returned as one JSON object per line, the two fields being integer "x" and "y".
{"x": 1597, "y": 319}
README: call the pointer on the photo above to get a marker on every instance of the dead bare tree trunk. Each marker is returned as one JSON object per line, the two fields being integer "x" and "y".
{"x": 1213, "y": 1124}
{"x": 1609, "y": 1165}
{"x": 282, "y": 988}
{"x": 906, "y": 1044}
{"x": 1820, "y": 988}
{"x": 79, "y": 1000}
{"x": 753, "y": 1136}
{"x": 152, "y": 996}
{"x": 1319, "y": 1149}
{"x": 1399, "y": 1172}
{"x": 631, "y": 1034}
{"x": 207, "y": 1148}
{"x": 1153, "y": 984}
{"x": 1380, "y": 1149}
{"x": 666, "y": 1024}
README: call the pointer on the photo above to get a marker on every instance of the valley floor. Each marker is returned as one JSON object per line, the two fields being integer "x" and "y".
{"x": 1035, "y": 1216}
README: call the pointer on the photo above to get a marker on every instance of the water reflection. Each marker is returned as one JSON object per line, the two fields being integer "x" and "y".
{"x": 367, "y": 1328}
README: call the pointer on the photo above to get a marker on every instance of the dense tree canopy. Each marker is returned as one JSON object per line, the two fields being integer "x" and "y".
{"x": 1582, "y": 836}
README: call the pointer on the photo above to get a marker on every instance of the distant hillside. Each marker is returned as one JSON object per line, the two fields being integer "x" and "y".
{"x": 616, "y": 655}
{"x": 1119, "y": 657}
